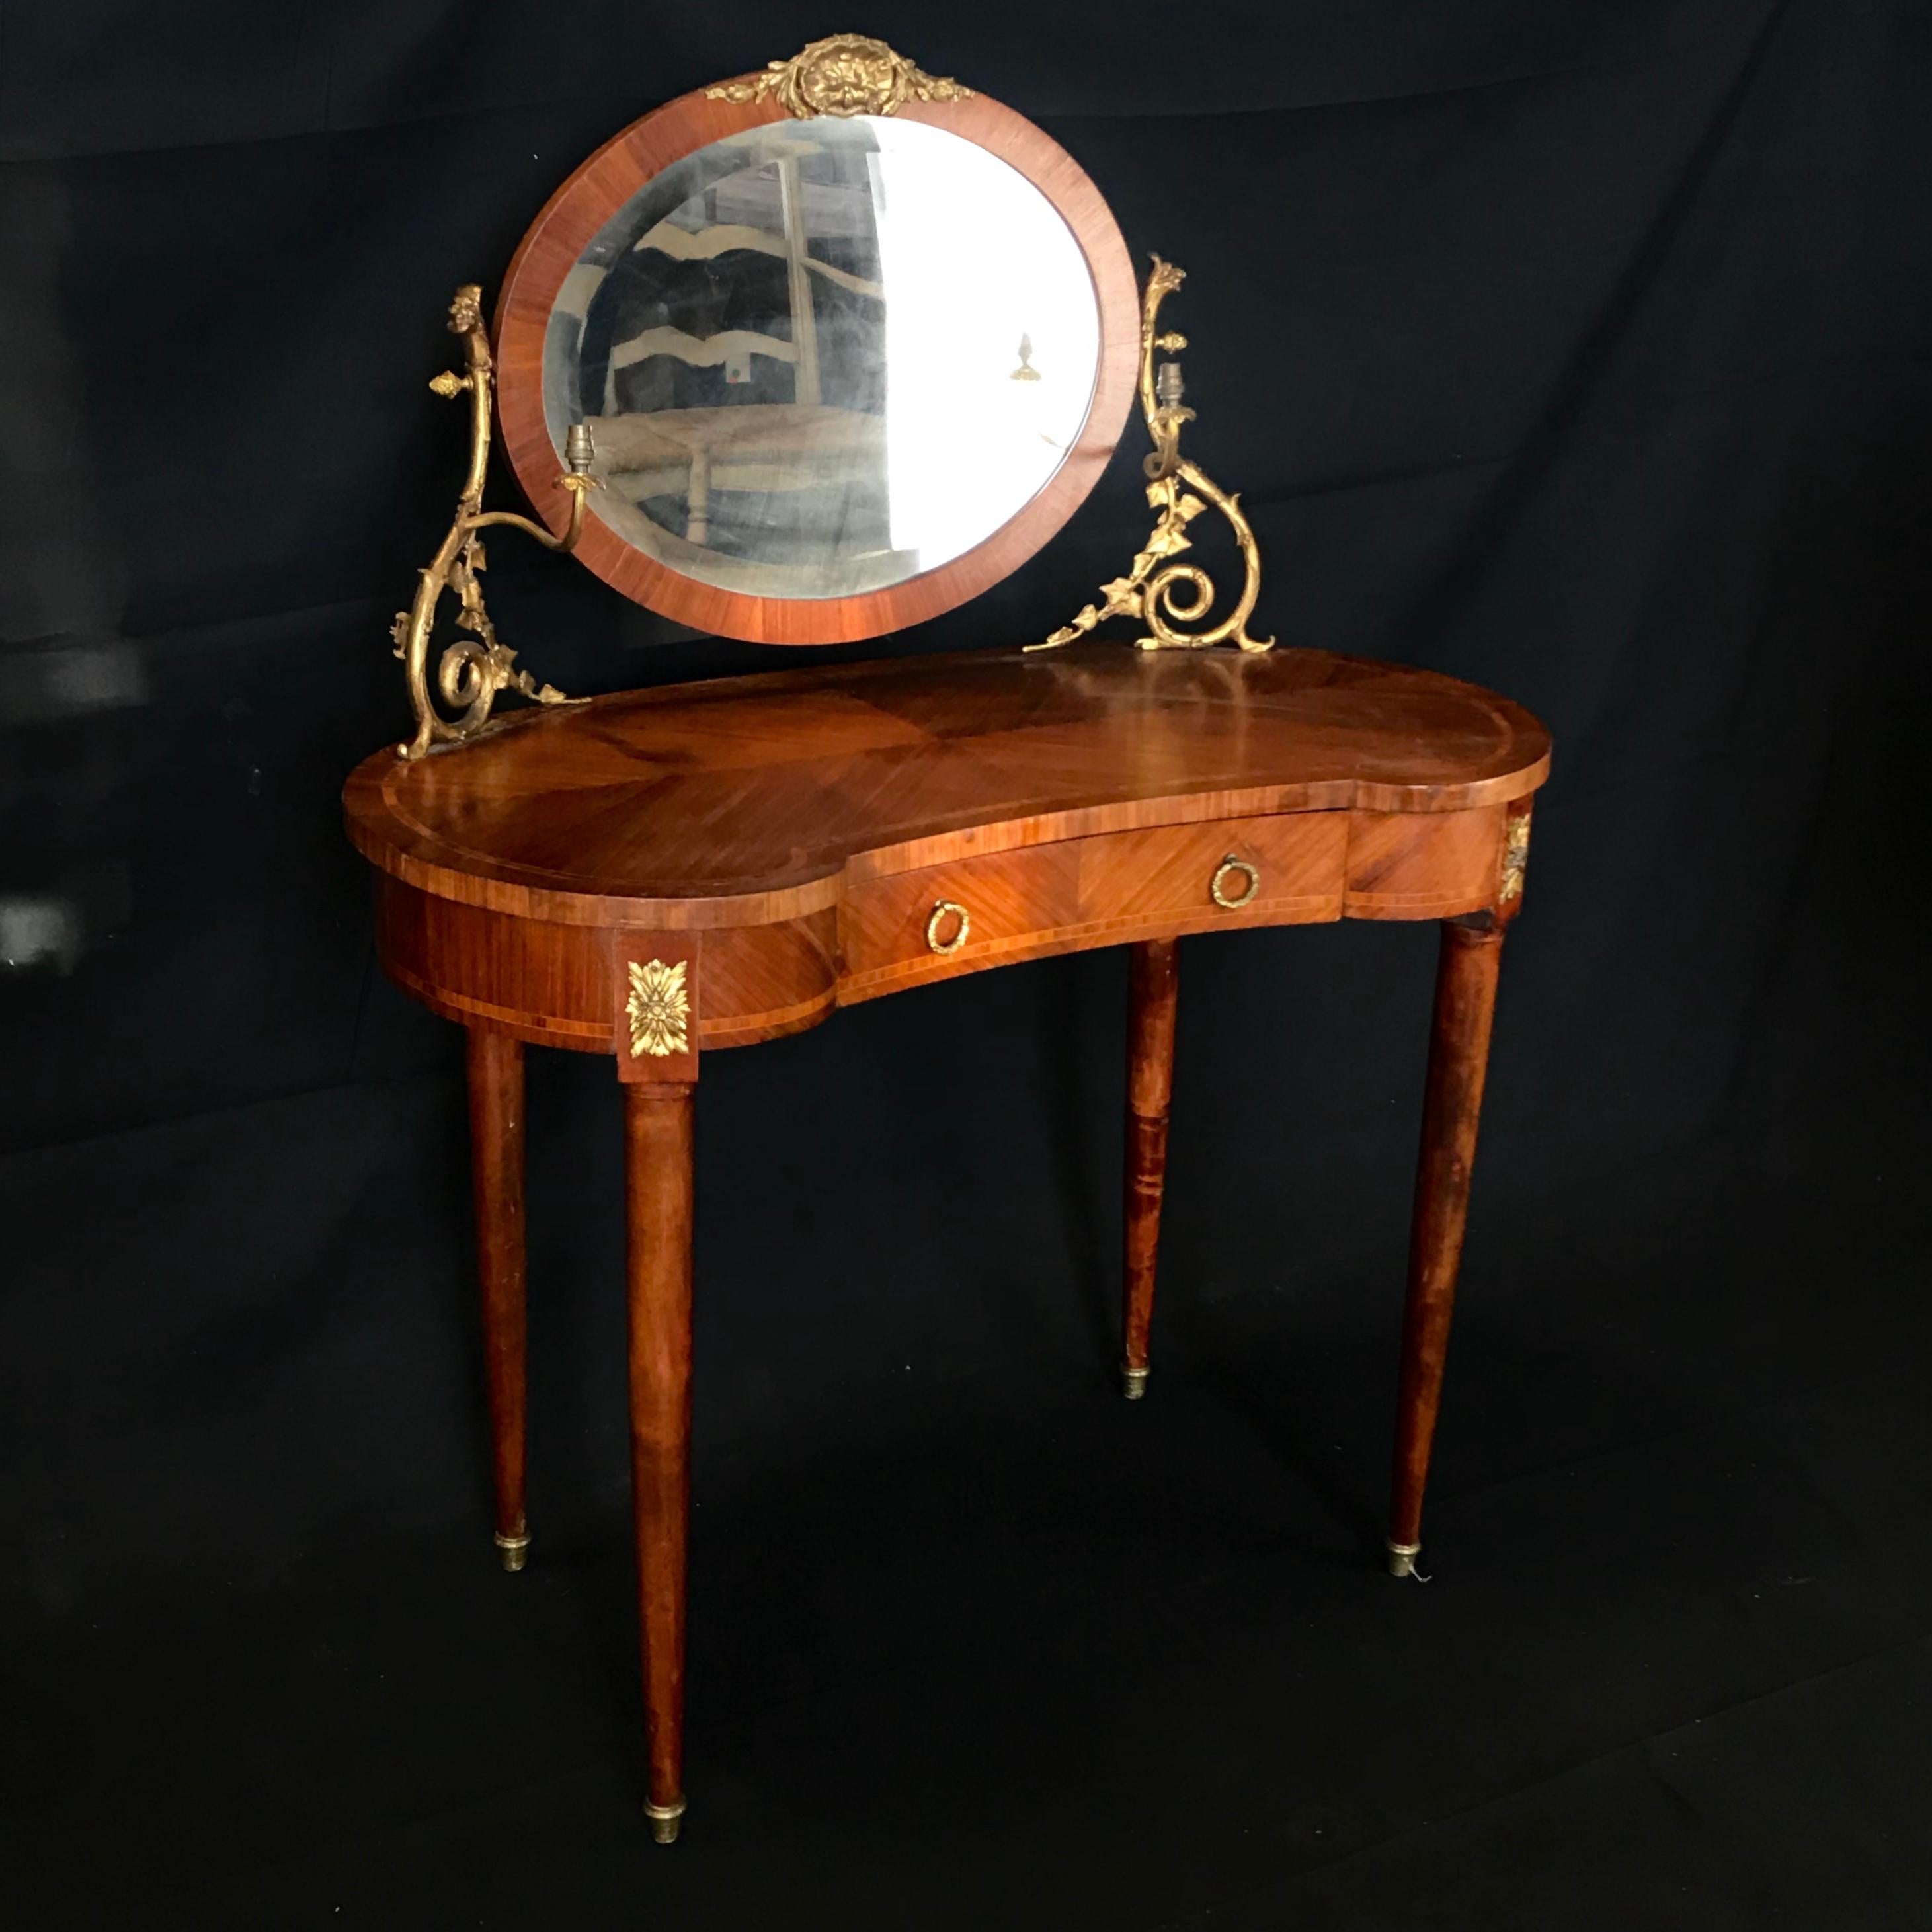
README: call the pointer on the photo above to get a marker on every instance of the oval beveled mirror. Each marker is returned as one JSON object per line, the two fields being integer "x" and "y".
{"x": 850, "y": 342}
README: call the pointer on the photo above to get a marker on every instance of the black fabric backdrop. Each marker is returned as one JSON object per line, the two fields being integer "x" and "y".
{"x": 1581, "y": 350}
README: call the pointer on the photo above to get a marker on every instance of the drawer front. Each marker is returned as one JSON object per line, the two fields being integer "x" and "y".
{"x": 1284, "y": 869}
{"x": 561, "y": 985}
{"x": 892, "y": 933}
{"x": 1423, "y": 865}
{"x": 1276, "y": 871}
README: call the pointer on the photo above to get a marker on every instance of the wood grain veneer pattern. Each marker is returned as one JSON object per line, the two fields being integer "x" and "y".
{"x": 803, "y": 825}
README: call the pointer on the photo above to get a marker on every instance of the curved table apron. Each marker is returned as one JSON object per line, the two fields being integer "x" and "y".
{"x": 663, "y": 873}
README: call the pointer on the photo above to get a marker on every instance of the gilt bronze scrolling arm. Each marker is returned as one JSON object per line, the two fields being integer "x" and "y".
{"x": 1159, "y": 593}
{"x": 474, "y": 669}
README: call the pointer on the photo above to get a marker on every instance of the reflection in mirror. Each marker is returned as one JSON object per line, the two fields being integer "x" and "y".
{"x": 822, "y": 357}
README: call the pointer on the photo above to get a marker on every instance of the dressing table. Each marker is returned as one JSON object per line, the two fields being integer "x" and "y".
{"x": 659, "y": 875}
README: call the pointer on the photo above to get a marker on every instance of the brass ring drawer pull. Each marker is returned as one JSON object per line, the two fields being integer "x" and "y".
{"x": 1217, "y": 886}
{"x": 941, "y": 912}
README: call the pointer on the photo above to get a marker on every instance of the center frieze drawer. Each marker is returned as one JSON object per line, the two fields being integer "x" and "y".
{"x": 1283, "y": 869}
{"x": 1287, "y": 869}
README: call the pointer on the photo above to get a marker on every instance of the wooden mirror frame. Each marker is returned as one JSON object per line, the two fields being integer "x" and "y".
{"x": 578, "y": 210}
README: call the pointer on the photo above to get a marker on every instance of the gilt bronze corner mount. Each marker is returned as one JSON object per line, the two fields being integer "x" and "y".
{"x": 1153, "y": 590}
{"x": 1515, "y": 857}
{"x": 471, "y": 671}
{"x": 658, "y": 1009}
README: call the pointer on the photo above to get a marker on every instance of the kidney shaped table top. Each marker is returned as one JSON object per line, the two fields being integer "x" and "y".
{"x": 799, "y": 820}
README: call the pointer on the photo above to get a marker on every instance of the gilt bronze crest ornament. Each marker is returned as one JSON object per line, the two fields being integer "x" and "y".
{"x": 844, "y": 75}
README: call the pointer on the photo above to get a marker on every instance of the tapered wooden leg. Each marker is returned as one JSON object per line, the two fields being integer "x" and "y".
{"x": 658, "y": 1163}
{"x": 1153, "y": 986}
{"x": 496, "y": 1176}
{"x": 1459, "y": 1052}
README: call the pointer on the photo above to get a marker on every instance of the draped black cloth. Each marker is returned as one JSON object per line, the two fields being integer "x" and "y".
{"x": 1580, "y": 350}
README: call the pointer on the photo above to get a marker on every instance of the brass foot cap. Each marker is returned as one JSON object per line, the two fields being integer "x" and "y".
{"x": 1402, "y": 1558}
{"x": 665, "y": 1819}
{"x": 1133, "y": 1383}
{"x": 512, "y": 1552}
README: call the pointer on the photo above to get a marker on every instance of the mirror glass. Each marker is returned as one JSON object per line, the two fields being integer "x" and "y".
{"x": 821, "y": 357}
